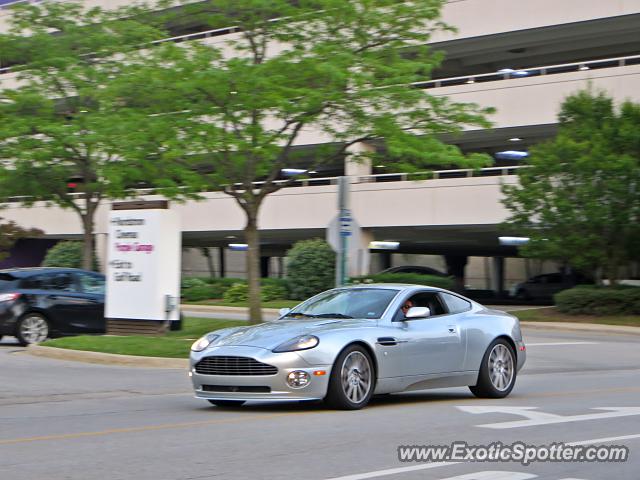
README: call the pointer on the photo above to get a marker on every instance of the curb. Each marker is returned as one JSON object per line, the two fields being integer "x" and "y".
{"x": 107, "y": 358}
{"x": 183, "y": 363}
{"x": 583, "y": 327}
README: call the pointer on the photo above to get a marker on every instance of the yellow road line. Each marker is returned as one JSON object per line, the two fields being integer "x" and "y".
{"x": 240, "y": 419}
{"x": 148, "y": 428}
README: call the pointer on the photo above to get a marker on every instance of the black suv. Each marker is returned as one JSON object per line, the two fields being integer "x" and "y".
{"x": 38, "y": 303}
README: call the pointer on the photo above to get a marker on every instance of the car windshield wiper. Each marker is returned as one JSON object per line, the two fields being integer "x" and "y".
{"x": 332, "y": 315}
{"x": 299, "y": 314}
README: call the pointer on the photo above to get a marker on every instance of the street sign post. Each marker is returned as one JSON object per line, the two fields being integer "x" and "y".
{"x": 343, "y": 233}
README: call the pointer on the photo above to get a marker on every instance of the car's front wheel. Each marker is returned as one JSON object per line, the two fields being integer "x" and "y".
{"x": 32, "y": 328}
{"x": 498, "y": 371}
{"x": 227, "y": 403}
{"x": 352, "y": 379}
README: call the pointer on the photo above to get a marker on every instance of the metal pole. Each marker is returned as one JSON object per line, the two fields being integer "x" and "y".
{"x": 344, "y": 231}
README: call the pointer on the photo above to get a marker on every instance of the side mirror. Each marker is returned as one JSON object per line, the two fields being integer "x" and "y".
{"x": 418, "y": 312}
{"x": 283, "y": 311}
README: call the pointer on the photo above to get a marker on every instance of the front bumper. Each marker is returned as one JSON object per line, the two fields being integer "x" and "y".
{"x": 260, "y": 387}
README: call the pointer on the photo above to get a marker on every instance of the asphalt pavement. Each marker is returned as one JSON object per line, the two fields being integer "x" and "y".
{"x": 70, "y": 420}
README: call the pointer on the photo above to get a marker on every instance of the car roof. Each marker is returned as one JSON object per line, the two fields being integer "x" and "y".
{"x": 29, "y": 271}
{"x": 394, "y": 286}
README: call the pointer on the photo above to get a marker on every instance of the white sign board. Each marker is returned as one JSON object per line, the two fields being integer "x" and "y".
{"x": 346, "y": 226}
{"x": 143, "y": 265}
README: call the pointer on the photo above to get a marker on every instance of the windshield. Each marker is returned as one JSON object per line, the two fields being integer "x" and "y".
{"x": 347, "y": 303}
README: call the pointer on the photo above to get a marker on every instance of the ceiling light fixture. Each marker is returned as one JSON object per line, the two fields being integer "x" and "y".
{"x": 386, "y": 245}
{"x": 293, "y": 171}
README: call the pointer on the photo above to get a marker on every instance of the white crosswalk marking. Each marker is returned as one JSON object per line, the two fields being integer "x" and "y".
{"x": 535, "y": 418}
{"x": 493, "y": 476}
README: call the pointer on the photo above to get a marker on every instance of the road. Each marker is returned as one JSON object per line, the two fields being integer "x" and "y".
{"x": 68, "y": 420}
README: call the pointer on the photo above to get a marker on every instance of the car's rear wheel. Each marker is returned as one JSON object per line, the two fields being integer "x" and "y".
{"x": 498, "y": 371}
{"x": 352, "y": 379}
{"x": 227, "y": 403}
{"x": 32, "y": 328}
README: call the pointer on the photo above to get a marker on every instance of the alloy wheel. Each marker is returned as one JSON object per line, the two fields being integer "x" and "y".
{"x": 356, "y": 377}
{"x": 34, "y": 329}
{"x": 501, "y": 367}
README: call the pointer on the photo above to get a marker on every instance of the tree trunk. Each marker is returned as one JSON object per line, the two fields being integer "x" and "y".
{"x": 87, "y": 241}
{"x": 252, "y": 238}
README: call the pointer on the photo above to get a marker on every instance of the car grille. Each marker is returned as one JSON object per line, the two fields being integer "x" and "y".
{"x": 234, "y": 389}
{"x": 233, "y": 366}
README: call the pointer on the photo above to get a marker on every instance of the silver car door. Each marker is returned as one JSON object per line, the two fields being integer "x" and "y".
{"x": 432, "y": 345}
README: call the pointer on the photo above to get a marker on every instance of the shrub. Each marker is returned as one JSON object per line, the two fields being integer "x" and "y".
{"x": 67, "y": 254}
{"x": 238, "y": 292}
{"x": 310, "y": 268}
{"x": 189, "y": 282}
{"x": 272, "y": 291}
{"x": 202, "y": 292}
{"x": 599, "y": 301}
{"x": 413, "y": 278}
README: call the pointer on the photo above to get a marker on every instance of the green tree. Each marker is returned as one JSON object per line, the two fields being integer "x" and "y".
{"x": 345, "y": 70}
{"x": 10, "y": 233}
{"x": 61, "y": 127}
{"x": 579, "y": 200}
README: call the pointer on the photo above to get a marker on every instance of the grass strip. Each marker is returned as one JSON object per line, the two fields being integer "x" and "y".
{"x": 171, "y": 345}
{"x": 552, "y": 315}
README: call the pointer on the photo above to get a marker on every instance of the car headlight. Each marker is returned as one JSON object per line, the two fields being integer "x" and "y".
{"x": 303, "y": 342}
{"x": 204, "y": 342}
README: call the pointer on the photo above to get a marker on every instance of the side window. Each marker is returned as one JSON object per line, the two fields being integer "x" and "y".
{"x": 34, "y": 282}
{"x": 455, "y": 304}
{"x": 91, "y": 283}
{"x": 429, "y": 300}
{"x": 62, "y": 282}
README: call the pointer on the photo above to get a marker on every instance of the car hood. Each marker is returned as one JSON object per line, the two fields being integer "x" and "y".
{"x": 271, "y": 334}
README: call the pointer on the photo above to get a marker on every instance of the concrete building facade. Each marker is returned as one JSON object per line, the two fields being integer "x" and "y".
{"x": 520, "y": 57}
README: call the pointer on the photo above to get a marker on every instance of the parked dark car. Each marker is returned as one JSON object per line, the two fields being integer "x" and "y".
{"x": 419, "y": 269}
{"x": 41, "y": 303}
{"x": 545, "y": 286}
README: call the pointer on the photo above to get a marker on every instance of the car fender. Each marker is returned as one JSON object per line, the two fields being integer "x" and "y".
{"x": 335, "y": 341}
{"x": 483, "y": 329}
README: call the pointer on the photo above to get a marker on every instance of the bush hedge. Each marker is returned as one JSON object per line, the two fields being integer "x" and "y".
{"x": 412, "y": 278}
{"x": 584, "y": 300}
{"x": 310, "y": 268}
{"x": 66, "y": 254}
{"x": 189, "y": 282}
{"x": 195, "y": 289}
{"x": 272, "y": 291}
{"x": 238, "y": 292}
{"x": 202, "y": 292}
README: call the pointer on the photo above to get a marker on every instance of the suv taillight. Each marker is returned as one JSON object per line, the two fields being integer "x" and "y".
{"x": 8, "y": 297}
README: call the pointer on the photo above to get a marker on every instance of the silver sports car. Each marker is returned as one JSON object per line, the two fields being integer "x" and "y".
{"x": 347, "y": 344}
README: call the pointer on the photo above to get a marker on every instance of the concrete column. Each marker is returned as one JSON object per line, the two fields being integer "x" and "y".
{"x": 385, "y": 260}
{"x": 222, "y": 262}
{"x": 455, "y": 267}
{"x": 359, "y": 255}
{"x": 497, "y": 278}
{"x": 264, "y": 266}
{"x": 355, "y": 164}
